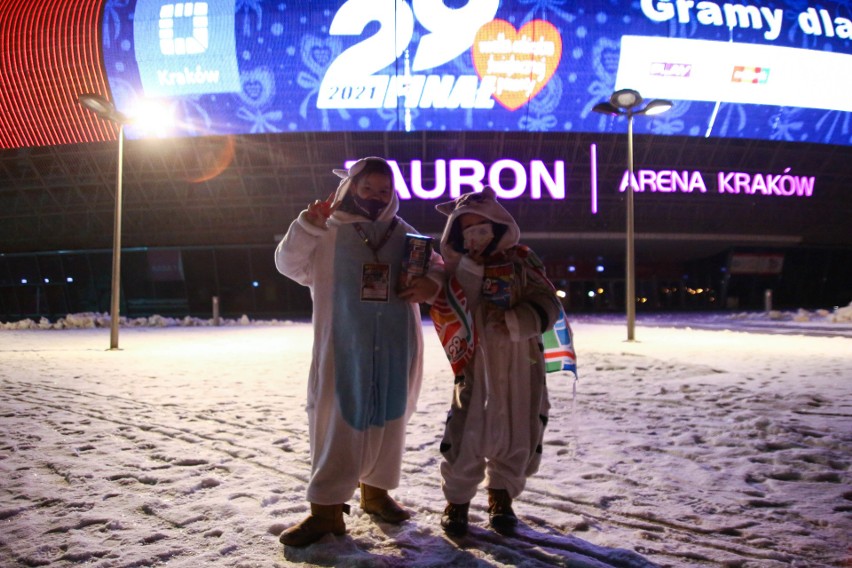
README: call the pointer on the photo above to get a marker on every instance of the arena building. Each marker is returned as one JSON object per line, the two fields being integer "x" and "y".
{"x": 740, "y": 190}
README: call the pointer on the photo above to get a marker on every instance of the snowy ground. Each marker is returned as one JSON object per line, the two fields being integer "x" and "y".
{"x": 188, "y": 448}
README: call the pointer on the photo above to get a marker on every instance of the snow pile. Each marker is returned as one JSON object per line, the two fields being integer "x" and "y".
{"x": 838, "y": 315}
{"x": 842, "y": 315}
{"x": 89, "y": 320}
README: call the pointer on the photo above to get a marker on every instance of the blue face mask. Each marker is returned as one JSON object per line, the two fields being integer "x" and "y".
{"x": 370, "y": 208}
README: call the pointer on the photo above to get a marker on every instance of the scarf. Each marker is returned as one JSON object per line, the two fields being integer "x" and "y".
{"x": 454, "y": 323}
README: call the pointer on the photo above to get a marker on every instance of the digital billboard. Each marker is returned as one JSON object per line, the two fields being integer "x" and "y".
{"x": 762, "y": 70}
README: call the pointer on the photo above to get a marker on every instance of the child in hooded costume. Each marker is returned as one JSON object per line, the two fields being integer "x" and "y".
{"x": 490, "y": 316}
{"x": 366, "y": 371}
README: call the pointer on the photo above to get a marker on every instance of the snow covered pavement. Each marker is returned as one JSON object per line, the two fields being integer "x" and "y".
{"x": 188, "y": 447}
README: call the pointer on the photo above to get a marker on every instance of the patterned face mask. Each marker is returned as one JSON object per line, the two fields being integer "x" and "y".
{"x": 477, "y": 237}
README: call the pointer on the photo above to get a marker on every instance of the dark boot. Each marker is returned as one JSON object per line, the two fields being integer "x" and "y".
{"x": 376, "y": 501}
{"x": 323, "y": 520}
{"x": 500, "y": 513}
{"x": 454, "y": 519}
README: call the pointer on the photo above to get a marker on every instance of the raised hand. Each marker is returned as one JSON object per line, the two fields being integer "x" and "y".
{"x": 319, "y": 211}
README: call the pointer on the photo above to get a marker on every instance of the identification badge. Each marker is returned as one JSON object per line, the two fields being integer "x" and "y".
{"x": 375, "y": 282}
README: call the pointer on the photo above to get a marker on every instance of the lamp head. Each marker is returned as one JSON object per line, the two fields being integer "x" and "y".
{"x": 657, "y": 106}
{"x": 625, "y": 99}
{"x": 102, "y": 107}
{"x": 606, "y": 108}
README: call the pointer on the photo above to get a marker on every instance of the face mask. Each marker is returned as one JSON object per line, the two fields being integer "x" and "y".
{"x": 371, "y": 208}
{"x": 477, "y": 237}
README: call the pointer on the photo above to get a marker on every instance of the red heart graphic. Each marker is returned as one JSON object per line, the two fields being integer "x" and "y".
{"x": 518, "y": 62}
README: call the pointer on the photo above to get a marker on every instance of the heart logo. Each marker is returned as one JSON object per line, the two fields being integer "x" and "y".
{"x": 518, "y": 63}
{"x": 258, "y": 87}
{"x": 318, "y": 53}
{"x": 321, "y": 55}
{"x": 253, "y": 89}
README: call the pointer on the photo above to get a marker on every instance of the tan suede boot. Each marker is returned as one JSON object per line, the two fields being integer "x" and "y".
{"x": 500, "y": 514}
{"x": 376, "y": 501}
{"x": 323, "y": 520}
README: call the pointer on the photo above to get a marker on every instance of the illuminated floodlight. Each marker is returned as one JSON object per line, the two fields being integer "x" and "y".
{"x": 625, "y": 98}
{"x": 657, "y": 106}
{"x": 625, "y": 102}
{"x": 152, "y": 116}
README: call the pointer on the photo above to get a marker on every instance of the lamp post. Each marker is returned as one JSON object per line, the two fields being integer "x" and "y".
{"x": 626, "y": 102}
{"x": 106, "y": 110}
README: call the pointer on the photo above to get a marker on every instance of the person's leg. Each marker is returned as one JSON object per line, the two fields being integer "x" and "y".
{"x": 377, "y": 501}
{"x": 335, "y": 450}
{"x": 463, "y": 467}
{"x": 323, "y": 520}
{"x": 501, "y": 516}
{"x": 380, "y": 471}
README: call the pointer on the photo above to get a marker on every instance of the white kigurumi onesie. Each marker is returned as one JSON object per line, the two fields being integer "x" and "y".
{"x": 366, "y": 369}
{"x": 499, "y": 411}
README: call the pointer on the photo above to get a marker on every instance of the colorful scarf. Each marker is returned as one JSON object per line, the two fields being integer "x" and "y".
{"x": 454, "y": 324}
{"x": 559, "y": 352}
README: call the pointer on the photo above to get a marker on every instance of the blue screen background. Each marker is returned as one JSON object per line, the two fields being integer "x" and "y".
{"x": 283, "y": 49}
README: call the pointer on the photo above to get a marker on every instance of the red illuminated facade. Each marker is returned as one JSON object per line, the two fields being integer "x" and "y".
{"x": 49, "y": 54}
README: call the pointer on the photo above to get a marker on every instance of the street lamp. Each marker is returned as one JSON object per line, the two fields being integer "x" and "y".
{"x": 625, "y": 102}
{"x": 106, "y": 110}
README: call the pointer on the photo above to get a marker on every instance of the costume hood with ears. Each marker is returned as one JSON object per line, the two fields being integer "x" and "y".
{"x": 506, "y": 231}
{"x": 343, "y": 195}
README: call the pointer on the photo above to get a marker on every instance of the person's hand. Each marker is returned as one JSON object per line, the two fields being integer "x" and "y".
{"x": 319, "y": 211}
{"x": 419, "y": 290}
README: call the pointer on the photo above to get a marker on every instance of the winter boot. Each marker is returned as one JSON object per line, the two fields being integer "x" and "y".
{"x": 376, "y": 501}
{"x": 500, "y": 513}
{"x": 323, "y": 520}
{"x": 454, "y": 519}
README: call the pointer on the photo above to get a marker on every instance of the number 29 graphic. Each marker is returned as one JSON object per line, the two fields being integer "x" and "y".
{"x": 352, "y": 80}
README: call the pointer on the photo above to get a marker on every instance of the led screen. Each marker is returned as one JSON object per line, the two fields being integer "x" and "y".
{"x": 764, "y": 70}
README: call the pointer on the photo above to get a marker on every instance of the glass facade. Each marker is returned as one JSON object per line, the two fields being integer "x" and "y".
{"x": 182, "y": 281}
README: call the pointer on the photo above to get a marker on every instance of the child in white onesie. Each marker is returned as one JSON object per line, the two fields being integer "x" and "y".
{"x": 499, "y": 410}
{"x": 367, "y": 362}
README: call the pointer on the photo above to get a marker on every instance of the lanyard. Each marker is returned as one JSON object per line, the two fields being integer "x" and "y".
{"x": 376, "y": 247}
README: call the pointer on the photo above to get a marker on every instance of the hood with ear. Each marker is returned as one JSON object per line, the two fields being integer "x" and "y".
{"x": 506, "y": 231}
{"x": 344, "y": 192}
